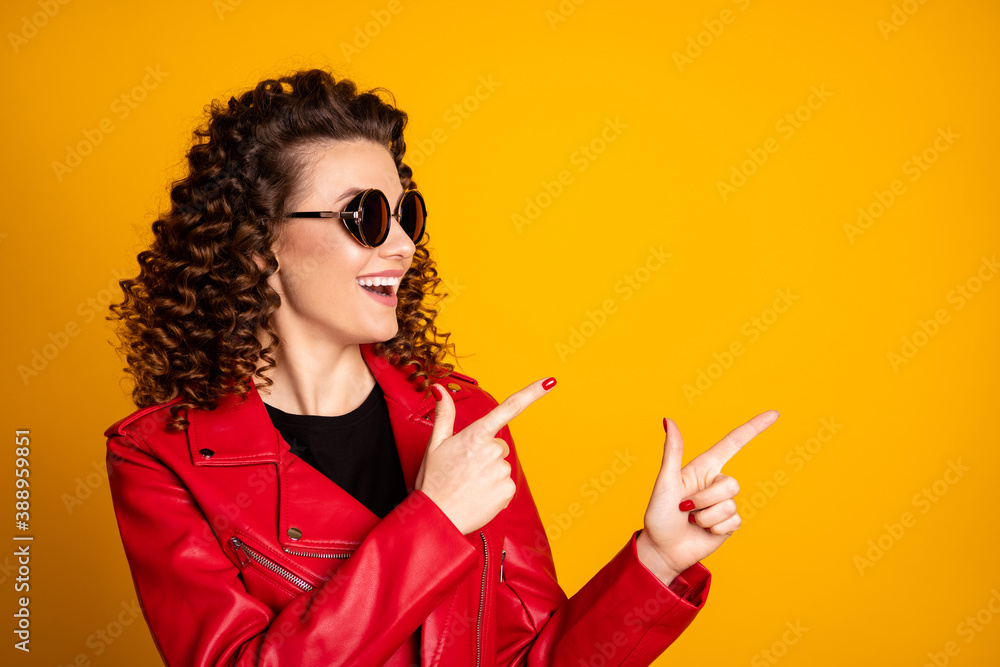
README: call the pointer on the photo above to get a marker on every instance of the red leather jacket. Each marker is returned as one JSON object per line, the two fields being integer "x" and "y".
{"x": 243, "y": 554}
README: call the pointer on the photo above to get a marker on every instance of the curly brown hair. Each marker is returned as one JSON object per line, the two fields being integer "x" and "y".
{"x": 189, "y": 319}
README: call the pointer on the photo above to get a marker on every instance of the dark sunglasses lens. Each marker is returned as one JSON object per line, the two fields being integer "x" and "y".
{"x": 412, "y": 215}
{"x": 374, "y": 218}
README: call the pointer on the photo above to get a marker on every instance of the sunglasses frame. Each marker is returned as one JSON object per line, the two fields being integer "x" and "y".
{"x": 352, "y": 214}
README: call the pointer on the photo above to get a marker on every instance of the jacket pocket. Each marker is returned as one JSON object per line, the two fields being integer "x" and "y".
{"x": 264, "y": 561}
{"x": 254, "y": 560}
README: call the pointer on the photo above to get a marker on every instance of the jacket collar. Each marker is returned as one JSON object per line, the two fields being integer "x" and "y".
{"x": 241, "y": 433}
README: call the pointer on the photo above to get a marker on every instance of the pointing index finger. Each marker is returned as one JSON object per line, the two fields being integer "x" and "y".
{"x": 720, "y": 453}
{"x": 511, "y": 407}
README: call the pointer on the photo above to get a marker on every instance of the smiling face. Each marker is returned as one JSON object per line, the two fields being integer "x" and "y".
{"x": 320, "y": 262}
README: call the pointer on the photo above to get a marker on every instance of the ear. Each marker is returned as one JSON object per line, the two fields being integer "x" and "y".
{"x": 261, "y": 264}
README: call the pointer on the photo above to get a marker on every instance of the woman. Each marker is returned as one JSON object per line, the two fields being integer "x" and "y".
{"x": 306, "y": 481}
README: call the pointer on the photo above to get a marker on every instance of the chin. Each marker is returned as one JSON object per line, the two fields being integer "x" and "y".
{"x": 385, "y": 335}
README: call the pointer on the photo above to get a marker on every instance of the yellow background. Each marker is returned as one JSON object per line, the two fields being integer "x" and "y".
{"x": 519, "y": 292}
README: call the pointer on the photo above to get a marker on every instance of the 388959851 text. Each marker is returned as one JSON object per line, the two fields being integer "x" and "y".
{"x": 22, "y": 552}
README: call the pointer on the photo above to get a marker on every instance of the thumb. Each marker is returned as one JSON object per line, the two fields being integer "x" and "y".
{"x": 444, "y": 417}
{"x": 673, "y": 456}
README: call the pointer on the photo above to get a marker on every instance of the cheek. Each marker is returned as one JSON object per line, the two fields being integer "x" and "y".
{"x": 318, "y": 260}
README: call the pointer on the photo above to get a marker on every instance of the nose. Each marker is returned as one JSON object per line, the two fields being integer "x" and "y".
{"x": 397, "y": 243}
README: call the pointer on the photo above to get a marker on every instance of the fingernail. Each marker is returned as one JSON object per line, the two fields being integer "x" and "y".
{"x": 548, "y": 384}
{"x": 665, "y": 425}
{"x": 436, "y": 389}
{"x": 691, "y": 517}
{"x": 708, "y": 530}
{"x": 687, "y": 505}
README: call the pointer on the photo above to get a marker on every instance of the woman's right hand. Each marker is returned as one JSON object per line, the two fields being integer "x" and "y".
{"x": 465, "y": 474}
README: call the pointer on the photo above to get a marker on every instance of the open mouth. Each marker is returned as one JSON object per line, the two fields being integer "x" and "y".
{"x": 383, "y": 290}
{"x": 382, "y": 286}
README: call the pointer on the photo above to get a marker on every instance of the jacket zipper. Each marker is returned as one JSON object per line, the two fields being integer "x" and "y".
{"x": 305, "y": 553}
{"x": 239, "y": 546}
{"x": 503, "y": 554}
{"x": 482, "y": 599}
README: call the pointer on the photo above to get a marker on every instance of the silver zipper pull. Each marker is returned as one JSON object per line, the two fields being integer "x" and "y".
{"x": 240, "y": 551}
{"x": 503, "y": 554}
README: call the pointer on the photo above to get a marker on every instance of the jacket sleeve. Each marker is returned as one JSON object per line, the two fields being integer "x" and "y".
{"x": 625, "y": 615}
{"x": 200, "y": 613}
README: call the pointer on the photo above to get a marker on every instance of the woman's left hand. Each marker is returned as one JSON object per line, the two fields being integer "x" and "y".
{"x": 666, "y": 528}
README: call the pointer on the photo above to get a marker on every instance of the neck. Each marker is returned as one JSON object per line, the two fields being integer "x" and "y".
{"x": 317, "y": 379}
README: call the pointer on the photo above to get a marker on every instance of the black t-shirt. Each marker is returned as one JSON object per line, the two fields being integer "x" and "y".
{"x": 357, "y": 450}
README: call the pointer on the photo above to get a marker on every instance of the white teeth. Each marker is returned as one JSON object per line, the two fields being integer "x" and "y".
{"x": 369, "y": 282}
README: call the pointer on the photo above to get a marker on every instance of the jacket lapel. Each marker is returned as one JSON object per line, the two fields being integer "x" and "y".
{"x": 410, "y": 413}
{"x": 407, "y": 409}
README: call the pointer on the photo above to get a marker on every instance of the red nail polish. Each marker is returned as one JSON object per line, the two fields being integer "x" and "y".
{"x": 548, "y": 384}
{"x": 436, "y": 389}
{"x": 709, "y": 530}
{"x": 687, "y": 505}
{"x": 691, "y": 517}
{"x": 665, "y": 425}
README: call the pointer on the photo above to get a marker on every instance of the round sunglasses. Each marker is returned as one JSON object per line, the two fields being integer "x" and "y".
{"x": 367, "y": 216}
